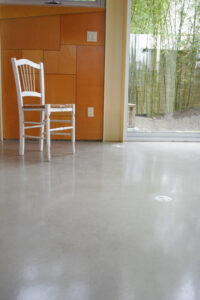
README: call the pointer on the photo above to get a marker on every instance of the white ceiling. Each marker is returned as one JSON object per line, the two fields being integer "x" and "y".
{"x": 63, "y": 2}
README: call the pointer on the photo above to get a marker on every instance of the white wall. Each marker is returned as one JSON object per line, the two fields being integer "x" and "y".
{"x": 115, "y": 69}
{"x": 1, "y": 113}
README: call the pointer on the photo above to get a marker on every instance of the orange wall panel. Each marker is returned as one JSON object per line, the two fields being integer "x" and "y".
{"x": 74, "y": 71}
{"x": 31, "y": 33}
{"x": 9, "y": 96}
{"x": 34, "y": 55}
{"x": 60, "y": 89}
{"x": 60, "y": 62}
{"x": 90, "y": 91}
{"x": 74, "y": 28}
{"x": 24, "y": 11}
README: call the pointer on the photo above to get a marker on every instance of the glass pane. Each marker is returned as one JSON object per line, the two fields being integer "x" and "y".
{"x": 164, "y": 83}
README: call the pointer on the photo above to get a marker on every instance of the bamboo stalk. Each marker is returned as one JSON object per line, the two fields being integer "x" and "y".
{"x": 193, "y": 53}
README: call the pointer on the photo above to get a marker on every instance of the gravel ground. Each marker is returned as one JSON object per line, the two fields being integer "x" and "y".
{"x": 188, "y": 120}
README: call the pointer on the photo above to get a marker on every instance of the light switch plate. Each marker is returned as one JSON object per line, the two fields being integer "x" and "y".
{"x": 90, "y": 112}
{"x": 91, "y": 36}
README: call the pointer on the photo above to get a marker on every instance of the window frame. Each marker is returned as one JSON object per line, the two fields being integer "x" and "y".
{"x": 97, "y": 3}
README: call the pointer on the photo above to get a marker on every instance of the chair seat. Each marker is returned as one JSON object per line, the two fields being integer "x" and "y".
{"x": 40, "y": 106}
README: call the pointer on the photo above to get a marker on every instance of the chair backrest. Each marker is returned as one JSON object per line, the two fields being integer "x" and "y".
{"x": 25, "y": 72}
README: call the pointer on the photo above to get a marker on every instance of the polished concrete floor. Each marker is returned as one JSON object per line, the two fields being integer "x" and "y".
{"x": 112, "y": 222}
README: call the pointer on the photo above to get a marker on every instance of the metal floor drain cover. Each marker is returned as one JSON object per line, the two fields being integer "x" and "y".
{"x": 118, "y": 146}
{"x": 163, "y": 198}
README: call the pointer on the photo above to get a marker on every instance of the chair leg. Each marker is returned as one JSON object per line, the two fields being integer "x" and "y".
{"x": 21, "y": 139}
{"x": 42, "y": 131}
{"x": 73, "y": 130}
{"x": 48, "y": 137}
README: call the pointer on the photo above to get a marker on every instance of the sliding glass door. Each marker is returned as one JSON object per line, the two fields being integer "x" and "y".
{"x": 164, "y": 67}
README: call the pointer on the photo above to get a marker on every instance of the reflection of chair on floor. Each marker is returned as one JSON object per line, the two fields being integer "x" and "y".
{"x": 25, "y": 79}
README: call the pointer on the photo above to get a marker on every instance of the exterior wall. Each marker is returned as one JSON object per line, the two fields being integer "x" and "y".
{"x": 74, "y": 68}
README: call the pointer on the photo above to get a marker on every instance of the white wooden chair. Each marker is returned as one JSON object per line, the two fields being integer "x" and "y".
{"x": 25, "y": 79}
